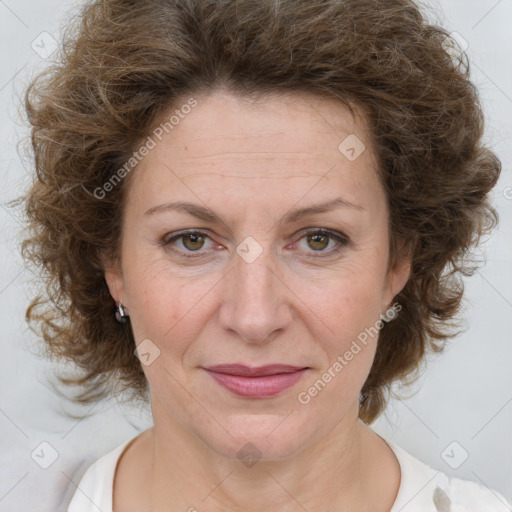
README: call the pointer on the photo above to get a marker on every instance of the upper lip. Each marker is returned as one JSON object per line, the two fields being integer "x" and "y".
{"x": 257, "y": 371}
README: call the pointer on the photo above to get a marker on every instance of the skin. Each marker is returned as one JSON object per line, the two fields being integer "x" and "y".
{"x": 251, "y": 163}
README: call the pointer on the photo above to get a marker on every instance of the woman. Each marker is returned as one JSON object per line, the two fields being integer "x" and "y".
{"x": 253, "y": 214}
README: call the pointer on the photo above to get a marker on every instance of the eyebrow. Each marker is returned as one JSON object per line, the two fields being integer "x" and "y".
{"x": 208, "y": 215}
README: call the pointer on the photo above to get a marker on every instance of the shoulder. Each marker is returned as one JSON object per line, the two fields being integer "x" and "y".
{"x": 470, "y": 495}
{"x": 94, "y": 491}
{"x": 426, "y": 489}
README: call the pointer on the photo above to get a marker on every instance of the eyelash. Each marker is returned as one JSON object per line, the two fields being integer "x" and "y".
{"x": 338, "y": 237}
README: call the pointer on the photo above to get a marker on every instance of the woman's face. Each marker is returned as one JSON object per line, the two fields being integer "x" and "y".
{"x": 258, "y": 285}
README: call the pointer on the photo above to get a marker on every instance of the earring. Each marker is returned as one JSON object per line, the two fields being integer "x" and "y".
{"x": 121, "y": 315}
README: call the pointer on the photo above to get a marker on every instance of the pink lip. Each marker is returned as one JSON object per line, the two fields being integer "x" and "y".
{"x": 260, "y": 382}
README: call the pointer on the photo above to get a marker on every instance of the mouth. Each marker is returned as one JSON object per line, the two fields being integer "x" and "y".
{"x": 256, "y": 382}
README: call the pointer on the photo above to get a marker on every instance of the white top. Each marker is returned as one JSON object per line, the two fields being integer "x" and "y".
{"x": 422, "y": 488}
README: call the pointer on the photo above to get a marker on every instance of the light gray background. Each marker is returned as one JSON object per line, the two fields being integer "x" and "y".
{"x": 466, "y": 395}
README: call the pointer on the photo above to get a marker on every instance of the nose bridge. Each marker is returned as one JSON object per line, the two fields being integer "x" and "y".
{"x": 255, "y": 304}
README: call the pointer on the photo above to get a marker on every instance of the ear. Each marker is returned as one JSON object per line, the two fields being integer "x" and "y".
{"x": 114, "y": 278}
{"x": 398, "y": 274}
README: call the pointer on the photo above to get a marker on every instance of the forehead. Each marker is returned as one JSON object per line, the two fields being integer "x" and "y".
{"x": 228, "y": 141}
{"x": 304, "y": 125}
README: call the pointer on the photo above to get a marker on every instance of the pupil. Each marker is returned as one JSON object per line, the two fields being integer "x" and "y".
{"x": 315, "y": 240}
{"x": 194, "y": 239}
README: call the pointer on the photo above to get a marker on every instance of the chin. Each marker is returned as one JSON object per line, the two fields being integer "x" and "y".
{"x": 259, "y": 437}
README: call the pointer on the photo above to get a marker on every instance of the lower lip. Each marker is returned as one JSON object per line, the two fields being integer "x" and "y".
{"x": 258, "y": 387}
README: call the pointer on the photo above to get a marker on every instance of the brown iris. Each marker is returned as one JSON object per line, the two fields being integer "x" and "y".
{"x": 318, "y": 238}
{"x": 197, "y": 241}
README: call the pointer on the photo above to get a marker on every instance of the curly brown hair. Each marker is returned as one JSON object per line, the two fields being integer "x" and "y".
{"x": 121, "y": 66}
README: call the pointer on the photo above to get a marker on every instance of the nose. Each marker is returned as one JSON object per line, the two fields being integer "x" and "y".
{"x": 256, "y": 301}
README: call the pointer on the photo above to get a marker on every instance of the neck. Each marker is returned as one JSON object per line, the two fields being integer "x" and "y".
{"x": 331, "y": 472}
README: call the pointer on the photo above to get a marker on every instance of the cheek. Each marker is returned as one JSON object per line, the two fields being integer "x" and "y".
{"x": 348, "y": 304}
{"x": 165, "y": 306}
{"x": 353, "y": 335}
{"x": 345, "y": 301}
{"x": 347, "y": 338}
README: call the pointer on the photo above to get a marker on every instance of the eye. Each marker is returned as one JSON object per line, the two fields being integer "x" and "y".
{"x": 318, "y": 240}
{"x": 191, "y": 241}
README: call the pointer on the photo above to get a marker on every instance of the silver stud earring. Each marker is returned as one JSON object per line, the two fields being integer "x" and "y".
{"x": 121, "y": 315}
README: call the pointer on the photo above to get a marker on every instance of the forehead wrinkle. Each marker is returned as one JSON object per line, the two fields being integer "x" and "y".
{"x": 245, "y": 177}
{"x": 243, "y": 154}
